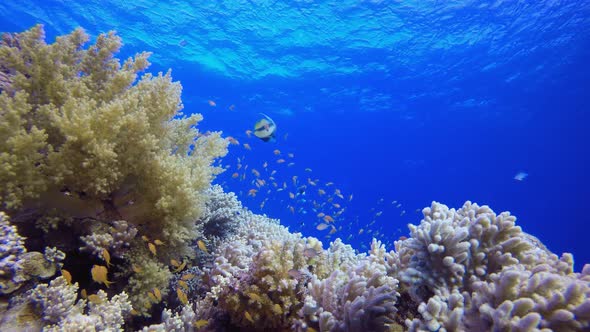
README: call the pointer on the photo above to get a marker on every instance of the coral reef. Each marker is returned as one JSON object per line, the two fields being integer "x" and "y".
{"x": 101, "y": 172}
{"x": 59, "y": 308}
{"x": 471, "y": 269}
{"x": 93, "y": 153}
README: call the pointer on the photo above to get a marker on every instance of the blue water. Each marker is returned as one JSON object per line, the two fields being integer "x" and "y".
{"x": 406, "y": 101}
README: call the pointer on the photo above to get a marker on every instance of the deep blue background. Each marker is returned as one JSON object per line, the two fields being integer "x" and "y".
{"x": 449, "y": 109}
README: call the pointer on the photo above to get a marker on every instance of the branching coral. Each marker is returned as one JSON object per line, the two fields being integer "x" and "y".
{"x": 359, "y": 298}
{"x": 12, "y": 250}
{"x": 62, "y": 312}
{"x": 474, "y": 270}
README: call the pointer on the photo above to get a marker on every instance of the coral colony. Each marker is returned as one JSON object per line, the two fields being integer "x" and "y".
{"x": 109, "y": 222}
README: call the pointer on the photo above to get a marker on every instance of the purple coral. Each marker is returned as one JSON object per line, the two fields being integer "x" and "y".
{"x": 11, "y": 249}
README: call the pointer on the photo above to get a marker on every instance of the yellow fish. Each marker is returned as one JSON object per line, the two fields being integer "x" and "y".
{"x": 94, "y": 299}
{"x": 248, "y": 317}
{"x": 202, "y": 246}
{"x": 180, "y": 267}
{"x": 99, "y": 274}
{"x": 201, "y": 323}
{"x": 187, "y": 276}
{"x": 66, "y": 274}
{"x": 174, "y": 263}
{"x": 157, "y": 293}
{"x": 152, "y": 248}
{"x": 158, "y": 242}
{"x": 181, "y": 296}
{"x": 183, "y": 284}
{"x": 106, "y": 256}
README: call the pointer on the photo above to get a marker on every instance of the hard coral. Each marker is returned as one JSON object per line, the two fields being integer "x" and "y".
{"x": 471, "y": 269}
{"x": 12, "y": 250}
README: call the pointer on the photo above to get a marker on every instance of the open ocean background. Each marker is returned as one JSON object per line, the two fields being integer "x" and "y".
{"x": 405, "y": 101}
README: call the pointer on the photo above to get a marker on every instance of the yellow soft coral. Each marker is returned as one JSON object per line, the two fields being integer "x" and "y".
{"x": 82, "y": 137}
{"x": 74, "y": 120}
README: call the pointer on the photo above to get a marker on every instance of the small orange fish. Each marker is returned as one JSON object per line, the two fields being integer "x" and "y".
{"x": 106, "y": 256}
{"x": 333, "y": 230}
{"x": 202, "y": 246}
{"x": 180, "y": 267}
{"x": 248, "y": 133}
{"x": 145, "y": 238}
{"x": 232, "y": 140}
{"x": 152, "y": 297}
{"x": 328, "y": 219}
{"x": 95, "y": 299}
{"x": 255, "y": 172}
{"x": 292, "y": 209}
{"x": 187, "y": 276}
{"x": 201, "y": 323}
{"x": 252, "y": 192}
{"x": 211, "y": 103}
{"x": 174, "y": 262}
{"x": 235, "y": 175}
{"x": 136, "y": 268}
{"x": 181, "y": 296}
{"x": 321, "y": 227}
{"x": 158, "y": 242}
{"x": 336, "y": 205}
{"x": 248, "y": 317}
{"x": 321, "y": 214}
{"x": 321, "y": 192}
{"x": 157, "y": 294}
{"x": 280, "y": 161}
{"x": 291, "y": 195}
{"x": 361, "y": 231}
{"x": 276, "y": 152}
{"x": 152, "y": 248}
{"x": 84, "y": 293}
{"x": 99, "y": 275}
{"x": 183, "y": 284}
{"x": 67, "y": 275}
{"x": 265, "y": 164}
{"x": 247, "y": 146}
